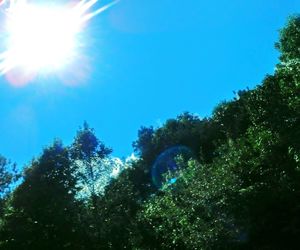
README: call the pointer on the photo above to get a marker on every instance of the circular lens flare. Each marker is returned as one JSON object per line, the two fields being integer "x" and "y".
{"x": 166, "y": 169}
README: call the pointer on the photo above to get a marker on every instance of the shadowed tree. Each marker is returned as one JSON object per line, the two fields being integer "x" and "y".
{"x": 42, "y": 213}
{"x": 248, "y": 197}
{"x": 8, "y": 177}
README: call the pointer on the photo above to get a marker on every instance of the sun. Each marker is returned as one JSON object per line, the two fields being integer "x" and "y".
{"x": 43, "y": 37}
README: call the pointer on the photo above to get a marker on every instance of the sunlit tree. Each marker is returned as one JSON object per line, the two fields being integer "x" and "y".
{"x": 91, "y": 162}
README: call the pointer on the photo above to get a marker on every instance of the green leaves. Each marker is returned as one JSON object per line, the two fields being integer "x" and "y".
{"x": 41, "y": 213}
{"x": 8, "y": 175}
{"x": 86, "y": 145}
{"x": 289, "y": 41}
{"x": 250, "y": 188}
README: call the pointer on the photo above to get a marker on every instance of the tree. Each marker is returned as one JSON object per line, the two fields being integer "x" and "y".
{"x": 289, "y": 41}
{"x": 42, "y": 213}
{"x": 248, "y": 196}
{"x": 119, "y": 205}
{"x": 89, "y": 155}
{"x": 8, "y": 178}
{"x": 89, "y": 161}
{"x": 8, "y": 175}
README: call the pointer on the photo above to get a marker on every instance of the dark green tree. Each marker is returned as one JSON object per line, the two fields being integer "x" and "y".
{"x": 42, "y": 213}
{"x": 248, "y": 196}
{"x": 8, "y": 177}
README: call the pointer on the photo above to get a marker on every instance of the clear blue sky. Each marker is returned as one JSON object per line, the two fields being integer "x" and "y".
{"x": 149, "y": 60}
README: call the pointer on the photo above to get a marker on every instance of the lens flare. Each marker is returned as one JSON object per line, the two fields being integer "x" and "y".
{"x": 166, "y": 168}
{"x": 44, "y": 37}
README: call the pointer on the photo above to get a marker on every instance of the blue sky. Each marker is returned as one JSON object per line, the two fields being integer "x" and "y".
{"x": 146, "y": 61}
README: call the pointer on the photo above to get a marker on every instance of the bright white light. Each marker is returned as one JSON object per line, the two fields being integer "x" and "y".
{"x": 43, "y": 37}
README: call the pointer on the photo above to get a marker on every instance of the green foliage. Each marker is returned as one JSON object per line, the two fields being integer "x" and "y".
{"x": 200, "y": 136}
{"x": 88, "y": 155}
{"x": 8, "y": 175}
{"x": 86, "y": 145}
{"x": 232, "y": 117}
{"x": 194, "y": 214}
{"x": 289, "y": 41}
{"x": 41, "y": 214}
{"x": 120, "y": 203}
{"x": 248, "y": 196}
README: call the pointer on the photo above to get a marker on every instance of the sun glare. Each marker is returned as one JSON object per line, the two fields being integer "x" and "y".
{"x": 43, "y": 37}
